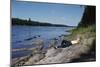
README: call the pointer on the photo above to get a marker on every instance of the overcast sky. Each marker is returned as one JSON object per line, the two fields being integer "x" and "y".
{"x": 46, "y": 12}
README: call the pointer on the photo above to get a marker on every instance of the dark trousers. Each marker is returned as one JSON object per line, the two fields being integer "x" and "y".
{"x": 64, "y": 44}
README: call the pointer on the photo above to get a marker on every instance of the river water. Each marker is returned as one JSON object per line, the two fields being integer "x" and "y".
{"x": 22, "y": 37}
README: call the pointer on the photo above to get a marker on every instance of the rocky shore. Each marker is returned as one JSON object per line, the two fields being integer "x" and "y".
{"x": 84, "y": 51}
{"x": 58, "y": 55}
{"x": 61, "y": 55}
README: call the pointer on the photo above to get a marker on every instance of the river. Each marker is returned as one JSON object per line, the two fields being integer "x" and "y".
{"x": 22, "y": 37}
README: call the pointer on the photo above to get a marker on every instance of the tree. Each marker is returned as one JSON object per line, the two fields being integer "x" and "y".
{"x": 29, "y": 20}
{"x": 89, "y": 16}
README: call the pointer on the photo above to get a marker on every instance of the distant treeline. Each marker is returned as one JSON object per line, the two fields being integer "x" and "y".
{"x": 17, "y": 21}
{"x": 89, "y": 17}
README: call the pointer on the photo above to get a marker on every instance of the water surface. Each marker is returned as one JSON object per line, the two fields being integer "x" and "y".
{"x": 22, "y": 37}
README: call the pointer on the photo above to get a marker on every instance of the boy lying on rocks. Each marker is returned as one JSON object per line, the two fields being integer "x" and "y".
{"x": 66, "y": 43}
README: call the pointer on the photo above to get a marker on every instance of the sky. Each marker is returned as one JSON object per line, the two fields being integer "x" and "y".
{"x": 48, "y": 12}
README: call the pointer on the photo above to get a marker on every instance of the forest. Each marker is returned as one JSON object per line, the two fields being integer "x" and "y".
{"x": 29, "y": 22}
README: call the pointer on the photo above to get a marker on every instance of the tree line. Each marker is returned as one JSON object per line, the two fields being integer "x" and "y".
{"x": 17, "y": 21}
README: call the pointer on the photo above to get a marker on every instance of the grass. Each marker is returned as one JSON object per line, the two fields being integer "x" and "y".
{"x": 84, "y": 32}
{"x": 88, "y": 39}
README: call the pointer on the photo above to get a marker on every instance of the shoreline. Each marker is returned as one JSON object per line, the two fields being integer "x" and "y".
{"x": 73, "y": 53}
{"x": 54, "y": 56}
{"x": 47, "y": 56}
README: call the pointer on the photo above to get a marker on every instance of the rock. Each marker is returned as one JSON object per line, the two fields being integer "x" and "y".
{"x": 35, "y": 58}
